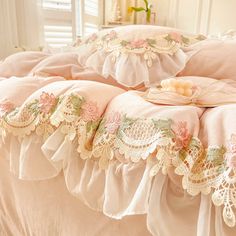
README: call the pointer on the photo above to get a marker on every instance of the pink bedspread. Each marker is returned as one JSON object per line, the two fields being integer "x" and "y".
{"x": 82, "y": 157}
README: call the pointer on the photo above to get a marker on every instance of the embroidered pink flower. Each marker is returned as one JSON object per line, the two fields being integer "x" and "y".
{"x": 47, "y": 102}
{"x": 231, "y": 161}
{"x": 6, "y": 107}
{"x": 231, "y": 156}
{"x": 182, "y": 135}
{"x": 112, "y": 35}
{"x": 232, "y": 144}
{"x": 92, "y": 38}
{"x": 90, "y": 111}
{"x": 113, "y": 122}
{"x": 176, "y": 37}
{"x": 141, "y": 43}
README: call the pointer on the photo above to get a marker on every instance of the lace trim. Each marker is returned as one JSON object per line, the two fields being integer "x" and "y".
{"x": 149, "y": 48}
{"x": 118, "y": 137}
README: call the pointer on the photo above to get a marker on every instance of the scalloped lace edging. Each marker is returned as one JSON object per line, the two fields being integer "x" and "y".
{"x": 130, "y": 140}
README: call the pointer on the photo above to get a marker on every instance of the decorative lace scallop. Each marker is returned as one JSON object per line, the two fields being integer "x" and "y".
{"x": 161, "y": 44}
{"x": 119, "y": 137}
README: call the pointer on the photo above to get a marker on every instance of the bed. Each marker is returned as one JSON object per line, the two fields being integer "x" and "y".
{"x": 130, "y": 132}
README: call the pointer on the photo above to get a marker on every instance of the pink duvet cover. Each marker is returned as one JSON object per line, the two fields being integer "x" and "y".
{"x": 84, "y": 157}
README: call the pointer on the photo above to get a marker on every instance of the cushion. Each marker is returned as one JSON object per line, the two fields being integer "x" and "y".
{"x": 216, "y": 59}
{"x": 136, "y": 54}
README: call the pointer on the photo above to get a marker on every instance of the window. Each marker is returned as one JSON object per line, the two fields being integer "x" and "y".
{"x": 57, "y": 4}
{"x": 66, "y": 19}
{"x": 59, "y": 22}
{"x": 91, "y": 15}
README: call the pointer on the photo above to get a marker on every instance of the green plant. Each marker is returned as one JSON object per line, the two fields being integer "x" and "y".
{"x": 146, "y": 9}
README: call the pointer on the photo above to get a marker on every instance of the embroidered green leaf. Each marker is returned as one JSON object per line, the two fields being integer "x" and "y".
{"x": 162, "y": 124}
{"x": 124, "y": 43}
{"x": 185, "y": 40}
{"x": 92, "y": 125}
{"x": 126, "y": 122}
{"x": 77, "y": 103}
{"x": 182, "y": 154}
{"x": 216, "y": 155}
{"x": 168, "y": 38}
{"x": 33, "y": 107}
{"x": 151, "y": 42}
{"x": 101, "y": 127}
{"x": 194, "y": 144}
{"x": 201, "y": 37}
{"x": 55, "y": 106}
{"x": 88, "y": 126}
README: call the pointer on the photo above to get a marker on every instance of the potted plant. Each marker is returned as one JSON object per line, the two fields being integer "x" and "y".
{"x": 146, "y": 9}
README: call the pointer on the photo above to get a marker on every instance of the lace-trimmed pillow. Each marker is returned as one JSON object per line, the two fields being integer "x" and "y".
{"x": 134, "y": 55}
{"x": 216, "y": 59}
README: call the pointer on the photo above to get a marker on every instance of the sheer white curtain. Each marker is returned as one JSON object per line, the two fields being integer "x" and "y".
{"x": 20, "y": 25}
{"x": 29, "y": 23}
{"x": 8, "y": 27}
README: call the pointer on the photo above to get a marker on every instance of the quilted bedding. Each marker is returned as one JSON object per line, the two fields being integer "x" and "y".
{"x": 123, "y": 155}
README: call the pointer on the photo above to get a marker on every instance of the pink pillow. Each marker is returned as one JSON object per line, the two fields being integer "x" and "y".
{"x": 61, "y": 64}
{"x": 216, "y": 59}
{"x": 137, "y": 54}
{"x": 20, "y": 64}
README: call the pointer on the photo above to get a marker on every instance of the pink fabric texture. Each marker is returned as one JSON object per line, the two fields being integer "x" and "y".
{"x": 20, "y": 64}
{"x": 61, "y": 64}
{"x": 209, "y": 62}
{"x": 78, "y": 150}
{"x": 135, "y": 55}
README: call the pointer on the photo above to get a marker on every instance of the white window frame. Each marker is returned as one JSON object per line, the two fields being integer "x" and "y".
{"x": 85, "y": 18}
{"x": 76, "y": 18}
{"x": 61, "y": 17}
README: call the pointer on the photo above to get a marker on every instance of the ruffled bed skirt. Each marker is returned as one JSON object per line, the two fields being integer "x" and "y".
{"x": 46, "y": 208}
{"x": 124, "y": 199}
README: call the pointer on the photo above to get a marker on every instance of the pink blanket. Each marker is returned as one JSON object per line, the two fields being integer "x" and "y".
{"x": 122, "y": 153}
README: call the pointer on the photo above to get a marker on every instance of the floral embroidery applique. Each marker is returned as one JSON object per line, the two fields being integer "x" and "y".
{"x": 113, "y": 122}
{"x": 231, "y": 155}
{"x": 166, "y": 43}
{"x": 47, "y": 102}
{"x": 162, "y": 143}
{"x": 6, "y": 107}
{"x": 182, "y": 135}
{"x": 90, "y": 111}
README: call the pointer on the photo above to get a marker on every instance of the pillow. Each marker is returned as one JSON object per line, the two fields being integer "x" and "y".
{"x": 60, "y": 64}
{"x": 136, "y": 54}
{"x": 216, "y": 59}
{"x": 20, "y": 64}
{"x": 205, "y": 92}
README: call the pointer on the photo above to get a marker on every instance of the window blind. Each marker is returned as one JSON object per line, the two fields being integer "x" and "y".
{"x": 59, "y": 22}
{"x": 66, "y": 19}
{"x": 57, "y": 4}
{"x": 91, "y": 11}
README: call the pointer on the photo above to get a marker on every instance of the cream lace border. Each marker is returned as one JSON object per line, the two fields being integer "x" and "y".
{"x": 118, "y": 137}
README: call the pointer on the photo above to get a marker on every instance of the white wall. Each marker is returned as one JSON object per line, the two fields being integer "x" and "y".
{"x": 199, "y": 16}
{"x": 203, "y": 16}
{"x": 8, "y": 29}
{"x": 19, "y": 26}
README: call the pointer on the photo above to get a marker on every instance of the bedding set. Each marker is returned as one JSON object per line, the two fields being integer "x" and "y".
{"x": 130, "y": 132}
